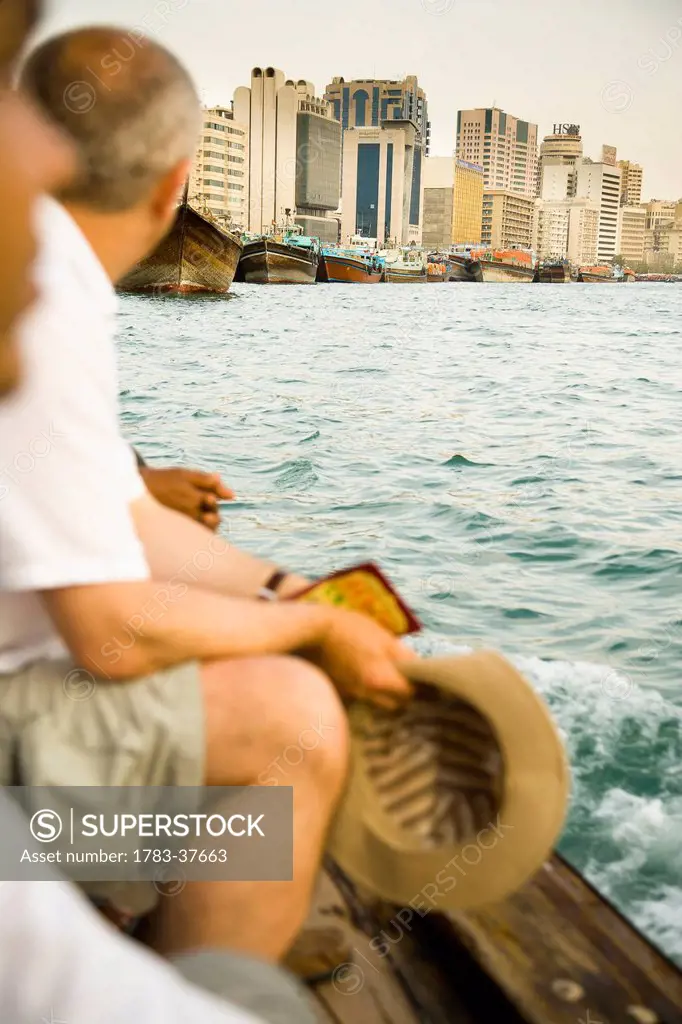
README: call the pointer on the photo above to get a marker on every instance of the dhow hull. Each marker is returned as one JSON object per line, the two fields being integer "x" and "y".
{"x": 267, "y": 262}
{"x": 195, "y": 257}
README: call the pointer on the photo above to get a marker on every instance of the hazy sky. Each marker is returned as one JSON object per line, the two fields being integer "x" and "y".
{"x": 612, "y": 66}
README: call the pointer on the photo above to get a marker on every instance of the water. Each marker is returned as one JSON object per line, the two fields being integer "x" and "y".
{"x": 511, "y": 456}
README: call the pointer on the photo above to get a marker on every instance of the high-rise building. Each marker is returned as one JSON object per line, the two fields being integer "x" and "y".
{"x": 600, "y": 182}
{"x": 507, "y": 221}
{"x": 632, "y": 233}
{"x": 453, "y": 202}
{"x": 469, "y": 186}
{"x": 294, "y": 154}
{"x": 505, "y": 146}
{"x": 560, "y": 154}
{"x": 382, "y": 183}
{"x": 219, "y": 179}
{"x": 663, "y": 230}
{"x": 566, "y": 229}
{"x": 365, "y": 103}
{"x": 630, "y": 183}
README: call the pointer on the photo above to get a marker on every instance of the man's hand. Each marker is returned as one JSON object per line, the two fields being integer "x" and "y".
{"x": 361, "y": 657}
{"x": 190, "y": 491}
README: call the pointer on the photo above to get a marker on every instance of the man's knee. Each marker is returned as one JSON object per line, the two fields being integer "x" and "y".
{"x": 285, "y": 710}
{"x": 313, "y": 728}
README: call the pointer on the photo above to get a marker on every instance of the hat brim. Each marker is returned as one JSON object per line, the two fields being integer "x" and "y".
{"x": 395, "y": 866}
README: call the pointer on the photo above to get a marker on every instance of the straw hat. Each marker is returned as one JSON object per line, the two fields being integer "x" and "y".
{"x": 458, "y": 798}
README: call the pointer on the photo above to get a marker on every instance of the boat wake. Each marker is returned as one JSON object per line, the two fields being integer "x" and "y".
{"x": 624, "y": 830}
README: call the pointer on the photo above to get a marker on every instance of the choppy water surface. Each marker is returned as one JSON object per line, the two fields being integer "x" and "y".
{"x": 511, "y": 456}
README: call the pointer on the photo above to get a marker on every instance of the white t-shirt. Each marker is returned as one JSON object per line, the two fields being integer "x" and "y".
{"x": 66, "y": 475}
{"x": 60, "y": 963}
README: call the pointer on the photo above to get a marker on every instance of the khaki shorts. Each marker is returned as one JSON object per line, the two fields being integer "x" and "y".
{"x": 59, "y": 726}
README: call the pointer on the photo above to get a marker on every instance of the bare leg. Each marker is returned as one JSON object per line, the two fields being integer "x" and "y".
{"x": 258, "y": 713}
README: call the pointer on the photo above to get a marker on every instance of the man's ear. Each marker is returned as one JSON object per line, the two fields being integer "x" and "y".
{"x": 169, "y": 190}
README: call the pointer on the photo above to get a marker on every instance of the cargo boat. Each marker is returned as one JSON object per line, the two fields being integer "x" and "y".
{"x": 407, "y": 266}
{"x": 554, "y": 272}
{"x": 465, "y": 264}
{"x": 348, "y": 266}
{"x": 597, "y": 275}
{"x": 503, "y": 266}
{"x": 437, "y": 268}
{"x": 291, "y": 258}
{"x": 196, "y": 256}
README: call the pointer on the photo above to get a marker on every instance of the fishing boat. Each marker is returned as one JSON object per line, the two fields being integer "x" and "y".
{"x": 554, "y": 272}
{"x": 196, "y": 256}
{"x": 349, "y": 266}
{"x": 597, "y": 275}
{"x": 288, "y": 257}
{"x": 406, "y": 266}
{"x": 504, "y": 266}
{"x": 465, "y": 264}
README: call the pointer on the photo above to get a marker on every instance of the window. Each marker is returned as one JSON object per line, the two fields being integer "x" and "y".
{"x": 233, "y": 185}
{"x": 212, "y": 181}
{"x": 234, "y": 145}
{"x": 235, "y": 159}
{"x": 235, "y": 174}
{"x": 213, "y": 167}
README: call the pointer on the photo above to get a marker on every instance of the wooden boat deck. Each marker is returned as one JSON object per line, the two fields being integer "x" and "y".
{"x": 554, "y": 953}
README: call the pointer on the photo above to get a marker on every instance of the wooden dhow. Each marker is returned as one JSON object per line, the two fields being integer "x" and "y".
{"x": 597, "y": 275}
{"x": 504, "y": 266}
{"x": 464, "y": 261}
{"x": 287, "y": 259}
{"x": 196, "y": 256}
{"x": 406, "y": 266}
{"x": 348, "y": 266}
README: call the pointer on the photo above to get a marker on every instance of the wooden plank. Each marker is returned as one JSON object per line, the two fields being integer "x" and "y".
{"x": 560, "y": 953}
{"x": 366, "y": 989}
{"x": 554, "y": 953}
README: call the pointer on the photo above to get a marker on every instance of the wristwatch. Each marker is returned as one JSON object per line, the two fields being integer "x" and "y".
{"x": 269, "y": 591}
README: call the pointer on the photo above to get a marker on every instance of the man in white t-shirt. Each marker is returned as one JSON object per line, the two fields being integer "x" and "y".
{"x": 59, "y": 961}
{"x": 112, "y": 595}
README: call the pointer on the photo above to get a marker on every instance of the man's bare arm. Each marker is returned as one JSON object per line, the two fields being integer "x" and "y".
{"x": 121, "y": 631}
{"x": 174, "y": 544}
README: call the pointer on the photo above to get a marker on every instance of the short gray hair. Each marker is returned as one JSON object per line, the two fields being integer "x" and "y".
{"x": 133, "y": 119}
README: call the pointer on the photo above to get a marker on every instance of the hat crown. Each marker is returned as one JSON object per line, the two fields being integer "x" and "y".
{"x": 436, "y": 767}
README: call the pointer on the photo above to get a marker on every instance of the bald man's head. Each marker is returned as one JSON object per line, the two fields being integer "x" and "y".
{"x": 128, "y": 104}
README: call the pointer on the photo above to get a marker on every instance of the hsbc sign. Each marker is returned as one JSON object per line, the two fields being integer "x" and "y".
{"x": 566, "y": 129}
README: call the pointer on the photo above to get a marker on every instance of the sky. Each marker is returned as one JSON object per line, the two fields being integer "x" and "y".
{"x": 612, "y": 66}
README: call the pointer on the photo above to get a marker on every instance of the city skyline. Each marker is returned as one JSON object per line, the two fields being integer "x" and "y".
{"x": 615, "y": 71}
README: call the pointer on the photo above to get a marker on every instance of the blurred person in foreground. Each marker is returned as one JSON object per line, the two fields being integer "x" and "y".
{"x": 59, "y": 960}
{"x": 197, "y": 682}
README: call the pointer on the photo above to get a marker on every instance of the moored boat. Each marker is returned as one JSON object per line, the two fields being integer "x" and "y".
{"x": 406, "y": 266}
{"x": 195, "y": 256}
{"x": 349, "y": 266}
{"x": 597, "y": 275}
{"x": 465, "y": 264}
{"x": 286, "y": 259}
{"x": 554, "y": 272}
{"x": 503, "y": 266}
{"x": 437, "y": 268}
